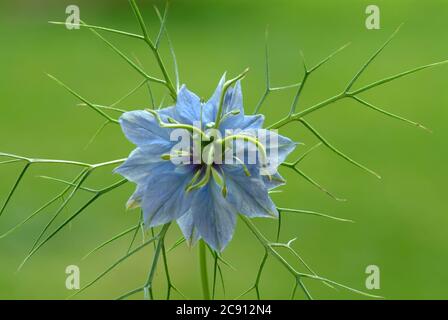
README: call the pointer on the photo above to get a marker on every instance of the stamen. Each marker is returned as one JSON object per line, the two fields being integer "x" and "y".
{"x": 203, "y": 182}
{"x": 246, "y": 170}
{"x": 179, "y": 154}
{"x": 233, "y": 112}
{"x": 210, "y": 125}
{"x": 165, "y": 156}
{"x": 260, "y": 147}
{"x": 210, "y": 154}
{"x": 162, "y": 124}
{"x": 171, "y": 120}
{"x": 208, "y": 171}
{"x": 193, "y": 180}
{"x": 255, "y": 141}
{"x": 220, "y": 180}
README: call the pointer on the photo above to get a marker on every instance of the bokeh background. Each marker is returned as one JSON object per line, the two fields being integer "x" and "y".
{"x": 401, "y": 220}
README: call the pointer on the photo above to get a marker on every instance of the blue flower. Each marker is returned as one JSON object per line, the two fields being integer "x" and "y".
{"x": 203, "y": 197}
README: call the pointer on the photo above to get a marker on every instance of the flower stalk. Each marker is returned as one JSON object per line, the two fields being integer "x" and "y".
{"x": 203, "y": 270}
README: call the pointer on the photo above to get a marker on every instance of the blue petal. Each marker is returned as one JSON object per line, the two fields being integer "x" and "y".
{"x": 164, "y": 198}
{"x": 271, "y": 182}
{"x": 284, "y": 146}
{"x": 243, "y": 123}
{"x": 142, "y": 129}
{"x": 214, "y": 99}
{"x": 136, "y": 198}
{"x": 274, "y": 181}
{"x": 186, "y": 224}
{"x": 188, "y": 106}
{"x": 167, "y": 112}
{"x": 211, "y": 106}
{"x": 248, "y": 194}
{"x": 214, "y": 216}
{"x": 233, "y": 102}
{"x": 252, "y": 122}
{"x": 235, "y": 99}
{"x": 142, "y": 163}
{"x": 277, "y": 147}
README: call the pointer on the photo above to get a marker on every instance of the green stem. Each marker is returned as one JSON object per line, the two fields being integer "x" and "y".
{"x": 270, "y": 249}
{"x": 297, "y": 116}
{"x": 152, "y": 272}
{"x": 203, "y": 270}
{"x": 154, "y": 49}
{"x": 162, "y": 67}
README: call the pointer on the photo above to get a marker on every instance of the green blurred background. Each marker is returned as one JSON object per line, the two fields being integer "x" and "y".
{"x": 401, "y": 220}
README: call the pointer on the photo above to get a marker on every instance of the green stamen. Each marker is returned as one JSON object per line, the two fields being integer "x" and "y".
{"x": 220, "y": 179}
{"x": 255, "y": 141}
{"x": 203, "y": 182}
{"x": 190, "y": 128}
{"x": 246, "y": 170}
{"x": 178, "y": 154}
{"x": 193, "y": 180}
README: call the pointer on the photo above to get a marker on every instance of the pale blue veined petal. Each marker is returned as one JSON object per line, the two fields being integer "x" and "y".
{"x": 186, "y": 225}
{"x": 142, "y": 129}
{"x": 248, "y": 194}
{"x": 188, "y": 106}
{"x": 214, "y": 216}
{"x": 164, "y": 198}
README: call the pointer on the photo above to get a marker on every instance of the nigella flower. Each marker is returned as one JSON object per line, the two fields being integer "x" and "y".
{"x": 204, "y": 196}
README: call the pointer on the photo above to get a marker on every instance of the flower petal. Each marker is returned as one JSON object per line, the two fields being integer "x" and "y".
{"x": 277, "y": 148}
{"x": 164, "y": 198}
{"x": 274, "y": 181}
{"x": 214, "y": 216}
{"x": 251, "y": 122}
{"x": 235, "y": 99}
{"x": 142, "y": 163}
{"x": 241, "y": 123}
{"x": 248, "y": 194}
{"x": 188, "y": 106}
{"x": 211, "y": 106}
{"x": 136, "y": 198}
{"x": 167, "y": 112}
{"x": 186, "y": 224}
{"x": 285, "y": 147}
{"x": 142, "y": 129}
